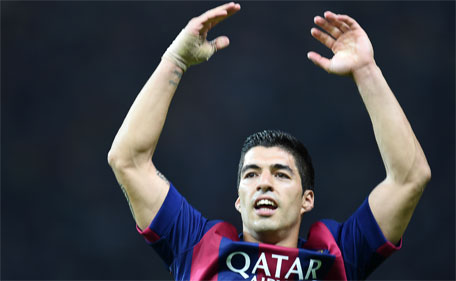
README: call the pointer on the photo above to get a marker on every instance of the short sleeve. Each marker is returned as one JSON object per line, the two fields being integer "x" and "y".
{"x": 176, "y": 227}
{"x": 362, "y": 243}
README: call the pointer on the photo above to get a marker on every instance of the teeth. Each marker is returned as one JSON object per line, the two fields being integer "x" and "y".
{"x": 265, "y": 202}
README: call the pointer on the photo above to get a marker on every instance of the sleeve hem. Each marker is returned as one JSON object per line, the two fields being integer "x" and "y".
{"x": 148, "y": 234}
{"x": 388, "y": 248}
{"x": 374, "y": 234}
{"x": 165, "y": 217}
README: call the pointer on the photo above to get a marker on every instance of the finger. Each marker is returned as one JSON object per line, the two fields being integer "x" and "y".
{"x": 213, "y": 17}
{"x": 227, "y": 9}
{"x": 200, "y": 25}
{"x": 334, "y": 20}
{"x": 350, "y": 22}
{"x": 233, "y": 9}
{"x": 324, "y": 38}
{"x": 328, "y": 27}
{"x": 318, "y": 60}
{"x": 223, "y": 7}
{"x": 210, "y": 23}
{"x": 220, "y": 42}
{"x": 230, "y": 11}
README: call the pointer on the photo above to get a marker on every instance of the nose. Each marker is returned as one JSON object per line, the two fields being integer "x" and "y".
{"x": 265, "y": 183}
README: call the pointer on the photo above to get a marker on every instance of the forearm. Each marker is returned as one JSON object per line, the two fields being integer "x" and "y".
{"x": 131, "y": 153}
{"x": 402, "y": 155}
{"x": 137, "y": 138}
{"x": 393, "y": 200}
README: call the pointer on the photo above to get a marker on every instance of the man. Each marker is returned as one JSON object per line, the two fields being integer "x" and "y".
{"x": 275, "y": 180}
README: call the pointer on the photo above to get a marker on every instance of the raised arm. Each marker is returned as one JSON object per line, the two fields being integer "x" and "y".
{"x": 131, "y": 153}
{"x": 407, "y": 172}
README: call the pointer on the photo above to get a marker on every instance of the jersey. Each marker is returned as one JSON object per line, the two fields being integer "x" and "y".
{"x": 194, "y": 248}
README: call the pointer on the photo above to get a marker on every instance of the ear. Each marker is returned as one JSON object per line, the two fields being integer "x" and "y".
{"x": 307, "y": 201}
{"x": 237, "y": 204}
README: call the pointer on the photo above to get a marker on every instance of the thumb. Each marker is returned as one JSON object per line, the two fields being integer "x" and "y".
{"x": 221, "y": 42}
{"x": 320, "y": 61}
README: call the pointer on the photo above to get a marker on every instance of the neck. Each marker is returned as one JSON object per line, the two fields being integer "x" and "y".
{"x": 287, "y": 239}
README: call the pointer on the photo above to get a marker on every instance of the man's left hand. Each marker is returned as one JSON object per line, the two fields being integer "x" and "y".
{"x": 347, "y": 40}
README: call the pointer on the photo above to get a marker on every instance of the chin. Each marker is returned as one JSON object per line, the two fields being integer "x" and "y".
{"x": 265, "y": 226}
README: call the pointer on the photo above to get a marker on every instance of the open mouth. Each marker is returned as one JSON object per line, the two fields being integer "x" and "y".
{"x": 265, "y": 206}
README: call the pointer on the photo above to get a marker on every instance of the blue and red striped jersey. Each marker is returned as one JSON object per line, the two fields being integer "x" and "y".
{"x": 195, "y": 248}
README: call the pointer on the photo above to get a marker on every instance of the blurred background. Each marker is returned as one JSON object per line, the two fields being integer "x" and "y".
{"x": 71, "y": 70}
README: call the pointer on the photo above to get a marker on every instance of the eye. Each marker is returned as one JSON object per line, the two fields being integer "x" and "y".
{"x": 282, "y": 175}
{"x": 249, "y": 175}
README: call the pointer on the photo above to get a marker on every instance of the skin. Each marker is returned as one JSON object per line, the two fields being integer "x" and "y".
{"x": 269, "y": 177}
{"x": 134, "y": 145}
{"x": 392, "y": 201}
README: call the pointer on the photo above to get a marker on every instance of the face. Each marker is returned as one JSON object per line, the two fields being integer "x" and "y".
{"x": 270, "y": 194}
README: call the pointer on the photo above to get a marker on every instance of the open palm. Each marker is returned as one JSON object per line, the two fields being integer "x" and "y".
{"x": 346, "y": 39}
{"x": 201, "y": 25}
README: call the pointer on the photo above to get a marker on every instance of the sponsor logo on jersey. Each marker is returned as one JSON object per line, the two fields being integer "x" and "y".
{"x": 274, "y": 267}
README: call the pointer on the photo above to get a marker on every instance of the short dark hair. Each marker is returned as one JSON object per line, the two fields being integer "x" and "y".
{"x": 271, "y": 138}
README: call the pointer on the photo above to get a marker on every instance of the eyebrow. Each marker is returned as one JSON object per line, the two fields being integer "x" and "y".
{"x": 274, "y": 167}
{"x": 248, "y": 167}
{"x": 282, "y": 167}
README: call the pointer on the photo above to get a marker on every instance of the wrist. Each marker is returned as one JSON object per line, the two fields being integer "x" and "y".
{"x": 189, "y": 49}
{"x": 172, "y": 63}
{"x": 366, "y": 71}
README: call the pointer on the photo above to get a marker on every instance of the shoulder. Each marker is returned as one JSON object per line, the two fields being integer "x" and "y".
{"x": 361, "y": 222}
{"x": 220, "y": 228}
{"x": 323, "y": 234}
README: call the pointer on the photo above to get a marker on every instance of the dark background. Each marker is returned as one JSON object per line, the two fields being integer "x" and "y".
{"x": 70, "y": 71}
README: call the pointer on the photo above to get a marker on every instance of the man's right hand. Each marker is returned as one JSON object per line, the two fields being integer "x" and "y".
{"x": 134, "y": 145}
{"x": 191, "y": 45}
